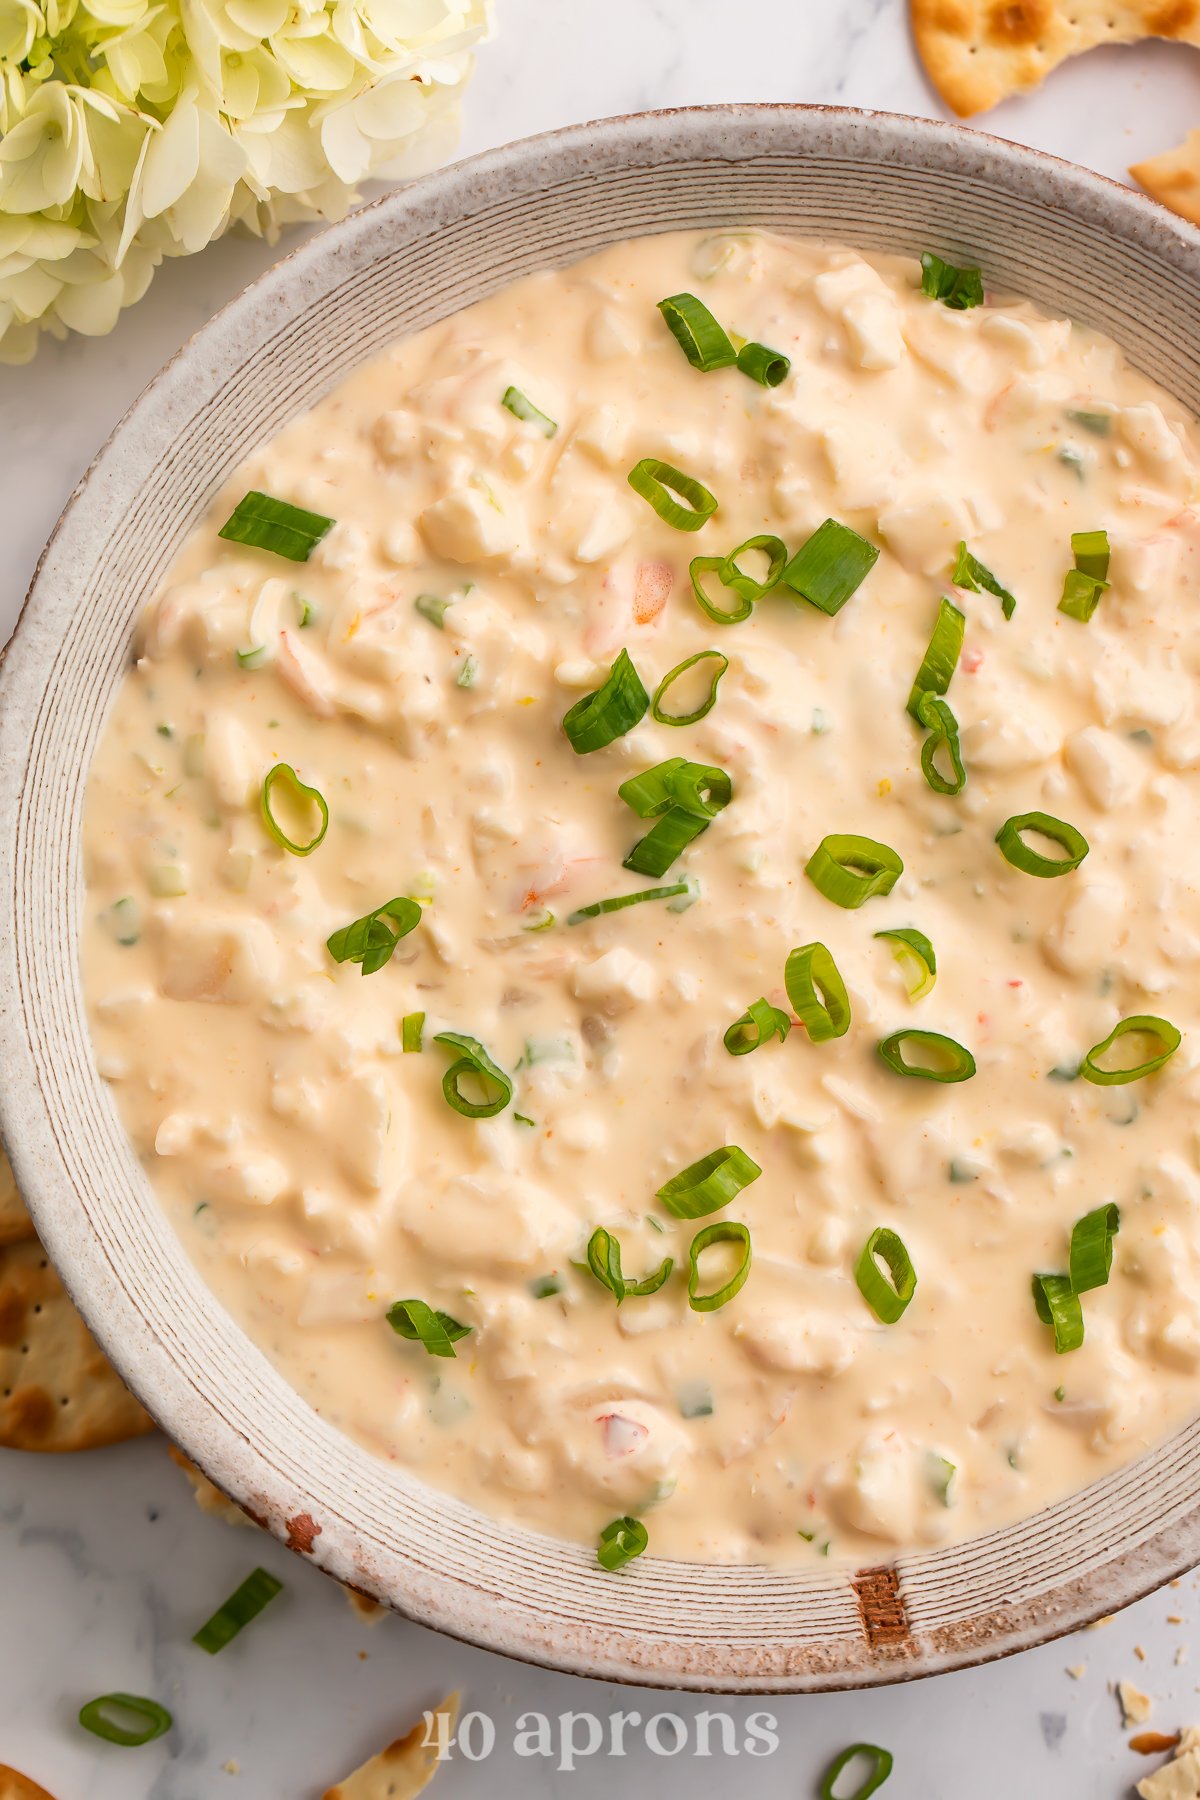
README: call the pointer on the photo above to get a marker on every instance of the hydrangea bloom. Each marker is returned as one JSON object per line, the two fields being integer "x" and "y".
{"x": 131, "y": 130}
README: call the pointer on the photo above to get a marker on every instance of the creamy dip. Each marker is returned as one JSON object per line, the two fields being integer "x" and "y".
{"x": 314, "y": 1167}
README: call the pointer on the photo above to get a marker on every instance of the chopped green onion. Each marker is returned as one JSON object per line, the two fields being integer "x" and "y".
{"x": 98, "y": 1718}
{"x": 1098, "y": 423}
{"x": 284, "y": 772}
{"x": 684, "y": 798}
{"x": 757, "y": 1026}
{"x": 123, "y": 920}
{"x": 733, "y": 576}
{"x": 941, "y": 1476}
{"x": 725, "y": 1231}
{"x": 916, "y": 957}
{"x": 959, "y": 289}
{"x": 817, "y": 992}
{"x": 306, "y": 610}
{"x": 544, "y": 1287}
{"x": 1058, "y": 1305}
{"x": 871, "y": 1782}
{"x": 970, "y": 573}
{"x": 414, "y": 1321}
{"x": 1081, "y": 595}
{"x": 243, "y": 1605}
{"x": 1092, "y": 1248}
{"x": 662, "y": 717}
{"x": 524, "y": 409}
{"x": 678, "y": 499}
{"x": 265, "y": 523}
{"x": 703, "y": 341}
{"x": 767, "y": 367}
{"x": 372, "y": 939}
{"x": 469, "y": 673}
{"x": 474, "y": 1063}
{"x": 941, "y": 658}
{"x": 165, "y": 730}
{"x": 607, "y": 714}
{"x": 1160, "y": 1032}
{"x": 620, "y": 1542}
{"x": 433, "y": 608}
{"x": 524, "y": 1119}
{"x": 849, "y": 869}
{"x": 251, "y": 659}
{"x": 695, "y": 1400}
{"x": 956, "y": 1062}
{"x": 1092, "y": 553}
{"x": 830, "y": 566}
{"x": 707, "y": 1185}
{"x": 934, "y": 713}
{"x": 604, "y": 1260}
{"x": 1031, "y": 862}
{"x": 620, "y": 901}
{"x": 412, "y": 1028}
{"x": 887, "y": 1298}
{"x": 704, "y": 565}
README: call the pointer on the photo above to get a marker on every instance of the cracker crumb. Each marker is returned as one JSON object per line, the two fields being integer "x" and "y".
{"x": 1098, "y": 1624}
{"x": 1174, "y": 1618}
{"x": 1181, "y": 1656}
{"x": 1136, "y": 1707}
{"x": 1077, "y": 1671}
{"x": 232, "y": 1768}
{"x": 1139, "y": 1653}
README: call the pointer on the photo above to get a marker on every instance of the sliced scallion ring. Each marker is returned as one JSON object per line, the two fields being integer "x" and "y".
{"x": 416, "y": 1322}
{"x": 684, "y": 797}
{"x": 244, "y": 1604}
{"x": 371, "y": 940}
{"x": 265, "y": 523}
{"x": 830, "y": 566}
{"x": 433, "y": 608}
{"x": 757, "y": 1026}
{"x": 1058, "y": 1305}
{"x": 412, "y": 1030}
{"x": 604, "y": 1260}
{"x": 946, "y": 1060}
{"x": 889, "y": 1295}
{"x": 703, "y": 341}
{"x": 1081, "y": 595}
{"x": 970, "y": 573}
{"x": 620, "y": 1542}
{"x": 707, "y": 1185}
{"x": 767, "y": 367}
{"x": 881, "y": 1767}
{"x": 936, "y": 715}
{"x": 615, "y": 707}
{"x": 658, "y": 710}
{"x": 941, "y": 658}
{"x": 1092, "y": 1248}
{"x": 618, "y": 902}
{"x": 849, "y": 869}
{"x": 1021, "y": 855}
{"x": 734, "y": 576}
{"x": 1162, "y": 1034}
{"x": 284, "y": 772}
{"x": 720, "y": 615}
{"x": 917, "y": 958}
{"x": 956, "y": 288}
{"x": 473, "y": 1063}
{"x": 522, "y": 408}
{"x": 678, "y": 499}
{"x": 817, "y": 992}
{"x": 112, "y": 1716}
{"x": 725, "y": 1231}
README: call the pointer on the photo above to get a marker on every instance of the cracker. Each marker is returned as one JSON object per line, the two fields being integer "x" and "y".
{"x": 57, "y": 1392}
{"x": 402, "y": 1770}
{"x": 1174, "y": 177}
{"x": 978, "y": 52}
{"x": 15, "y": 1222}
{"x": 15, "y": 1786}
{"x": 209, "y": 1497}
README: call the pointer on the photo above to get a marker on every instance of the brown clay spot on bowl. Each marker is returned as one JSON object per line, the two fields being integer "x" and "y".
{"x": 302, "y": 1532}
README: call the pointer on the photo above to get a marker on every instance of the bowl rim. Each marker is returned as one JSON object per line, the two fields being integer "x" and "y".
{"x": 1131, "y": 1574}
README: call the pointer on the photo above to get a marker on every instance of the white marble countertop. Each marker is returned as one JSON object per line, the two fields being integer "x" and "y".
{"x": 106, "y": 1566}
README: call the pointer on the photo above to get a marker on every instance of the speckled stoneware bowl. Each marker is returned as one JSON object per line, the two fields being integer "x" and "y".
{"x": 1076, "y": 243}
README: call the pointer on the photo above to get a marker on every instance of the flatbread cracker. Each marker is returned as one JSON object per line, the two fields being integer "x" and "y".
{"x": 57, "y": 1392}
{"x": 15, "y": 1786}
{"x": 209, "y": 1497}
{"x": 15, "y": 1223}
{"x": 402, "y": 1770}
{"x": 1174, "y": 177}
{"x": 978, "y": 52}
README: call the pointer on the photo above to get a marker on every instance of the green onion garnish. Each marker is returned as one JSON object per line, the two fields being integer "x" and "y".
{"x": 970, "y": 573}
{"x": 620, "y": 1542}
{"x": 620, "y": 901}
{"x": 874, "y": 1779}
{"x": 1092, "y": 553}
{"x": 703, "y": 341}
{"x": 306, "y": 610}
{"x": 1098, "y": 423}
{"x": 243, "y": 1605}
{"x": 268, "y": 524}
{"x": 544, "y": 1287}
{"x": 830, "y": 566}
{"x": 959, "y": 289}
{"x": 934, "y": 713}
{"x": 733, "y": 576}
{"x": 372, "y": 939}
{"x": 251, "y": 659}
{"x": 604, "y": 1260}
{"x": 916, "y": 957}
{"x": 524, "y": 409}
{"x": 684, "y": 798}
{"x": 284, "y": 772}
{"x": 1092, "y": 1248}
{"x": 468, "y": 674}
{"x": 475, "y": 1064}
{"x": 678, "y": 499}
{"x": 608, "y": 713}
{"x": 725, "y": 1231}
{"x": 1058, "y": 1306}
{"x": 1031, "y": 862}
{"x": 412, "y": 1028}
{"x": 888, "y": 1299}
{"x": 941, "y": 658}
{"x": 433, "y": 608}
{"x": 1084, "y": 584}
{"x": 1161, "y": 1032}
{"x": 946, "y": 1060}
{"x": 657, "y": 710}
{"x": 720, "y": 615}
{"x": 849, "y": 869}
{"x": 767, "y": 367}
{"x": 98, "y": 1718}
{"x": 705, "y": 1186}
{"x": 817, "y": 992}
{"x": 757, "y": 1026}
{"x": 416, "y": 1322}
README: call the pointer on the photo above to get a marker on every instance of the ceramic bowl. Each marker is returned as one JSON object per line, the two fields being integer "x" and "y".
{"x": 1076, "y": 243}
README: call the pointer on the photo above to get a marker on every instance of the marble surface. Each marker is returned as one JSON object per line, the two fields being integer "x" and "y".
{"x": 106, "y": 1566}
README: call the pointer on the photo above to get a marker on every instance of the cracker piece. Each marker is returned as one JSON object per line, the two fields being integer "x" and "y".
{"x": 404, "y": 1769}
{"x": 15, "y": 1223}
{"x": 15, "y": 1786}
{"x": 1174, "y": 177}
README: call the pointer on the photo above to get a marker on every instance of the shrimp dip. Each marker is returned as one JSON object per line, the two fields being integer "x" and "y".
{"x": 641, "y": 904}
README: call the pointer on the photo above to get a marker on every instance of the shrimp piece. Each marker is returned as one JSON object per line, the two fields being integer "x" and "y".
{"x": 553, "y": 877}
{"x": 622, "y": 1435}
{"x": 306, "y": 675}
{"x": 651, "y": 590}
